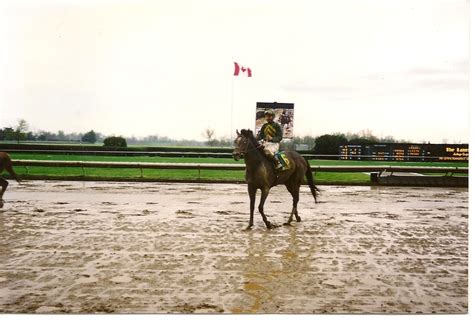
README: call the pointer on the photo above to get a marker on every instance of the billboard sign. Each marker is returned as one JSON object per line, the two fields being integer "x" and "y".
{"x": 284, "y": 115}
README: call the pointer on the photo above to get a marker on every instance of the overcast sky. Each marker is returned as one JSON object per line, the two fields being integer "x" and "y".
{"x": 398, "y": 68}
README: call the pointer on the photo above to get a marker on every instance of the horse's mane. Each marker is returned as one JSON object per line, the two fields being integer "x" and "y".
{"x": 249, "y": 135}
{"x": 251, "y": 138}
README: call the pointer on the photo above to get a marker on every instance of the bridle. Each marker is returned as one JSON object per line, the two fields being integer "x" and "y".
{"x": 254, "y": 147}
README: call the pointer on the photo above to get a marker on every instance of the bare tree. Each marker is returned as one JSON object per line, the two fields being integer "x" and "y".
{"x": 20, "y": 130}
{"x": 388, "y": 139}
{"x": 210, "y": 134}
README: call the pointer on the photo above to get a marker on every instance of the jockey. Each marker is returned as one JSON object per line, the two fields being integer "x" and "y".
{"x": 271, "y": 135}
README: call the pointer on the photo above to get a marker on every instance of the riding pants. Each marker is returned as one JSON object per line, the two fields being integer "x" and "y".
{"x": 270, "y": 148}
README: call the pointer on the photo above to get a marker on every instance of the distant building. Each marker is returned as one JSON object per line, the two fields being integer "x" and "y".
{"x": 302, "y": 146}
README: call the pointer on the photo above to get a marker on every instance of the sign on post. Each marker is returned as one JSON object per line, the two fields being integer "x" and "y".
{"x": 284, "y": 115}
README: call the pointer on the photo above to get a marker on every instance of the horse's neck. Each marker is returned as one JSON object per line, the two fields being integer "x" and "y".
{"x": 254, "y": 159}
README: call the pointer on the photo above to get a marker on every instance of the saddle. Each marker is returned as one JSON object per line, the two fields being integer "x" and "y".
{"x": 285, "y": 163}
{"x": 281, "y": 157}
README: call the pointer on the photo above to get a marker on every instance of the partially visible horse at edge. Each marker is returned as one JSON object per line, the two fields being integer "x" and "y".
{"x": 261, "y": 174}
{"x": 6, "y": 164}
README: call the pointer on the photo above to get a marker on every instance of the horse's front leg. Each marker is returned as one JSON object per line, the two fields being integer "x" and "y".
{"x": 252, "y": 194}
{"x": 264, "y": 196}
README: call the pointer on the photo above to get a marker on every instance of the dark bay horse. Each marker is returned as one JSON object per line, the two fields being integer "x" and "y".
{"x": 6, "y": 164}
{"x": 261, "y": 174}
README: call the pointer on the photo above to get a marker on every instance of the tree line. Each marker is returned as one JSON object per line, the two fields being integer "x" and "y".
{"x": 324, "y": 144}
{"x": 21, "y": 132}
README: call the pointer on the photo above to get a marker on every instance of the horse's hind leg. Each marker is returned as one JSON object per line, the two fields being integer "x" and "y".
{"x": 296, "y": 198}
{"x": 295, "y": 193}
{"x": 297, "y": 216}
{"x": 290, "y": 219}
{"x": 4, "y": 185}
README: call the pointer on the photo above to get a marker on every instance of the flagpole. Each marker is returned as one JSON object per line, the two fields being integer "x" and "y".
{"x": 232, "y": 106}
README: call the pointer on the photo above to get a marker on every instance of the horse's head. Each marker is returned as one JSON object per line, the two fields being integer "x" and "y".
{"x": 241, "y": 143}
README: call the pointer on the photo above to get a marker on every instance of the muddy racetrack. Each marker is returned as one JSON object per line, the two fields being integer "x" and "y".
{"x": 159, "y": 248}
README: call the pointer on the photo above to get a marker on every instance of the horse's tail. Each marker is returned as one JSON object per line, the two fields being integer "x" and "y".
{"x": 310, "y": 180}
{"x": 9, "y": 168}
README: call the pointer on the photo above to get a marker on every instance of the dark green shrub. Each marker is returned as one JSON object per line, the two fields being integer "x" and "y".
{"x": 115, "y": 142}
{"x": 89, "y": 137}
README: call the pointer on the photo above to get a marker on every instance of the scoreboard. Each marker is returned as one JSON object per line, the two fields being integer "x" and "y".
{"x": 453, "y": 153}
{"x": 398, "y": 153}
{"x": 350, "y": 152}
{"x": 405, "y": 152}
{"x": 415, "y": 152}
{"x": 379, "y": 152}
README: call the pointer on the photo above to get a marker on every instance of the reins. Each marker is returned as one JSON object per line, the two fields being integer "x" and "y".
{"x": 255, "y": 147}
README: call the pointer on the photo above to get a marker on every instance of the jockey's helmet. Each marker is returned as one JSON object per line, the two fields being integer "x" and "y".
{"x": 270, "y": 112}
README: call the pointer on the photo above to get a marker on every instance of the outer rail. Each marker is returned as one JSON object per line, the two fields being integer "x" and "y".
{"x": 211, "y": 166}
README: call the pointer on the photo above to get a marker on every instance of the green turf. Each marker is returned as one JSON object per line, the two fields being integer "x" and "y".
{"x": 192, "y": 174}
{"x": 41, "y": 156}
{"x": 322, "y": 177}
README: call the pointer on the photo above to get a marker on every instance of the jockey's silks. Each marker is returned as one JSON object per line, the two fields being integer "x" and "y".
{"x": 272, "y": 129}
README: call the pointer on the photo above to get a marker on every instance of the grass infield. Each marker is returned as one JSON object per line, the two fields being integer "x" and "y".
{"x": 188, "y": 174}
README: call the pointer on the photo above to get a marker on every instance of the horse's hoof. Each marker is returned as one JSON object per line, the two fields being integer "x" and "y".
{"x": 298, "y": 219}
{"x": 248, "y": 228}
{"x": 287, "y": 224}
{"x": 271, "y": 226}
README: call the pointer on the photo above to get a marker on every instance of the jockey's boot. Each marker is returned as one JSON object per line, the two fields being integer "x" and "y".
{"x": 277, "y": 163}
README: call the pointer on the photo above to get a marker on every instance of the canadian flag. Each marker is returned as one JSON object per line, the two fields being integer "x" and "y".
{"x": 238, "y": 68}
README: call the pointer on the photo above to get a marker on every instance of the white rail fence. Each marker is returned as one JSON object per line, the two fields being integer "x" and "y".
{"x": 236, "y": 167}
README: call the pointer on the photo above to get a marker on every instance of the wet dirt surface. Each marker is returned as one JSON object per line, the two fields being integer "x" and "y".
{"x": 174, "y": 248}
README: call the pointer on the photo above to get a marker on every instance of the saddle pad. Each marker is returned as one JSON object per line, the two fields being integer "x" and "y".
{"x": 283, "y": 159}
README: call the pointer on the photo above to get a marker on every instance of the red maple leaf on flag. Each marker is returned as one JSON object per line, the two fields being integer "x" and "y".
{"x": 238, "y": 68}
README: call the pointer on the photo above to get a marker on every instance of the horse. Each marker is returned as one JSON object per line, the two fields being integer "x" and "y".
{"x": 285, "y": 120}
{"x": 261, "y": 174}
{"x": 6, "y": 164}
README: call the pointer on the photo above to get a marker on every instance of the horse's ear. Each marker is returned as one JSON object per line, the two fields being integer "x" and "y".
{"x": 237, "y": 131}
